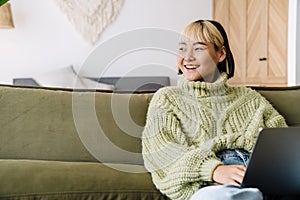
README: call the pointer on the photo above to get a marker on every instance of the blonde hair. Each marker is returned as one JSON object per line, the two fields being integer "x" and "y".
{"x": 202, "y": 32}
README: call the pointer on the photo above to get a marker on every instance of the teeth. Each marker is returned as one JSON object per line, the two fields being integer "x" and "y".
{"x": 192, "y": 66}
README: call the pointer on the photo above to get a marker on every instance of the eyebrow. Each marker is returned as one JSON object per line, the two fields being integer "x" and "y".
{"x": 195, "y": 43}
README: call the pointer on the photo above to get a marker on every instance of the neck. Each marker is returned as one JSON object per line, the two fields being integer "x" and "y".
{"x": 205, "y": 88}
{"x": 211, "y": 78}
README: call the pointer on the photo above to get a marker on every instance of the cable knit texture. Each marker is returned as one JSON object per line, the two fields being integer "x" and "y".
{"x": 188, "y": 124}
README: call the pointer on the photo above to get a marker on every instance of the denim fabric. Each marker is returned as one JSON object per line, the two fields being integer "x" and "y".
{"x": 234, "y": 157}
{"x": 227, "y": 192}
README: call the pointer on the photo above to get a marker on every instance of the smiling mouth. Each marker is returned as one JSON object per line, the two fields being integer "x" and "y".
{"x": 191, "y": 66}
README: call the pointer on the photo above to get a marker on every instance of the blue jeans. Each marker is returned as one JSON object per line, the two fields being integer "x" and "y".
{"x": 234, "y": 157}
{"x": 229, "y": 192}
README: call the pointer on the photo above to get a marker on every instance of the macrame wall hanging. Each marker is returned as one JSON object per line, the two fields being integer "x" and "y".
{"x": 90, "y": 17}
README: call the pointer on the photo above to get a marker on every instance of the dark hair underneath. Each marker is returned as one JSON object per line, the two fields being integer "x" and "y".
{"x": 229, "y": 57}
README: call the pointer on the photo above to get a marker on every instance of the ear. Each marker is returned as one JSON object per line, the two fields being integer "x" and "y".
{"x": 222, "y": 54}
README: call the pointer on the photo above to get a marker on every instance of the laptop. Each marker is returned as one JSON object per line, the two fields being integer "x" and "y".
{"x": 274, "y": 165}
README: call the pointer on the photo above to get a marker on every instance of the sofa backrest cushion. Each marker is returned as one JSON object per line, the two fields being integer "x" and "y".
{"x": 84, "y": 125}
{"x": 286, "y": 100}
{"x": 62, "y": 124}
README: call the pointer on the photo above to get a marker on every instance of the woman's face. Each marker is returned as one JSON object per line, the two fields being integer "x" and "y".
{"x": 198, "y": 60}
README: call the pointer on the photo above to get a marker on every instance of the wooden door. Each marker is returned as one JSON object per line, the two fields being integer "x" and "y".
{"x": 257, "y": 32}
{"x": 256, "y": 41}
{"x": 278, "y": 41}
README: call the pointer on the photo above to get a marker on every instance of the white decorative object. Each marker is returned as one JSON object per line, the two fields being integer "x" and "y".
{"x": 67, "y": 78}
{"x": 90, "y": 17}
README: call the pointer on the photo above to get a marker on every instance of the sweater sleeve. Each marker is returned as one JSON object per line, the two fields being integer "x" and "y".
{"x": 272, "y": 118}
{"x": 174, "y": 165}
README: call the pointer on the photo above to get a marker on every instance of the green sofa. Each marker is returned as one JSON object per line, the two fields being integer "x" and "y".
{"x": 85, "y": 144}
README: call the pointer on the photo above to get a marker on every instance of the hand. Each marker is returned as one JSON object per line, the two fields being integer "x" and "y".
{"x": 229, "y": 174}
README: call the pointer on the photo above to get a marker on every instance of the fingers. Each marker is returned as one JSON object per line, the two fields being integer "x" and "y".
{"x": 232, "y": 182}
{"x": 241, "y": 167}
{"x": 240, "y": 173}
{"x": 229, "y": 174}
{"x": 238, "y": 177}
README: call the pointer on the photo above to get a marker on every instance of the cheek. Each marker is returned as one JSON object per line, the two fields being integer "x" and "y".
{"x": 179, "y": 59}
{"x": 214, "y": 56}
{"x": 209, "y": 60}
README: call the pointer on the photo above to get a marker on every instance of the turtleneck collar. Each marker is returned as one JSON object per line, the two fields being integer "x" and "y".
{"x": 204, "y": 89}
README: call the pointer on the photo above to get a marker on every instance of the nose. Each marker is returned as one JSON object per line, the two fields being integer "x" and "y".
{"x": 189, "y": 56}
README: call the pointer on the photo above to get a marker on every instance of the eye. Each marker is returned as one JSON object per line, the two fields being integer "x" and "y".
{"x": 199, "y": 49}
{"x": 181, "y": 49}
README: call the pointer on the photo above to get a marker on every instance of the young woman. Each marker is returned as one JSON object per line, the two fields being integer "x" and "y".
{"x": 199, "y": 135}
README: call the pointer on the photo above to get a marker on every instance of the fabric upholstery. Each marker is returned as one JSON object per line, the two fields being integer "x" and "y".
{"x": 38, "y": 123}
{"x": 285, "y": 100}
{"x": 56, "y": 143}
{"x": 32, "y": 179}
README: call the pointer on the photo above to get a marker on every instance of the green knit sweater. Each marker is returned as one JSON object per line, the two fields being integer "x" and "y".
{"x": 188, "y": 124}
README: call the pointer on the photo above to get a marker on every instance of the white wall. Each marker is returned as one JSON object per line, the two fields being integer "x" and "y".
{"x": 43, "y": 40}
{"x": 294, "y": 43}
{"x": 297, "y": 67}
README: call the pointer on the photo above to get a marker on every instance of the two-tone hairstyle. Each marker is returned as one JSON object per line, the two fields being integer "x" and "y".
{"x": 213, "y": 32}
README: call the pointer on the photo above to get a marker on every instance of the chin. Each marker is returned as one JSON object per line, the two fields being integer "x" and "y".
{"x": 194, "y": 78}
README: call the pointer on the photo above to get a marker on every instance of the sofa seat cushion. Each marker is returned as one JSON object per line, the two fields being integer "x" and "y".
{"x": 35, "y": 179}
